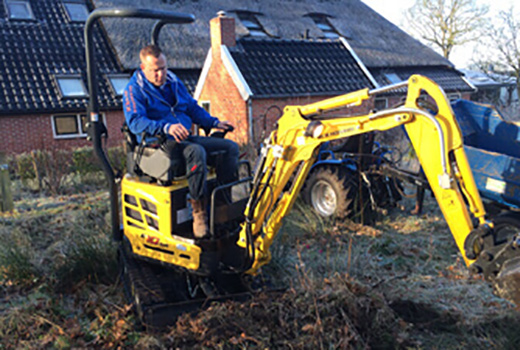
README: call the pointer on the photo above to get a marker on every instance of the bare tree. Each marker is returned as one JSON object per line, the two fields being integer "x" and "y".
{"x": 504, "y": 36}
{"x": 445, "y": 24}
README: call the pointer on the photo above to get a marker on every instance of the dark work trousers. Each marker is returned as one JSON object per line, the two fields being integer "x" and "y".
{"x": 193, "y": 151}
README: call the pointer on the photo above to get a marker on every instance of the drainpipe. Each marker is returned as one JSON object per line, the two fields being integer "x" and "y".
{"x": 249, "y": 103}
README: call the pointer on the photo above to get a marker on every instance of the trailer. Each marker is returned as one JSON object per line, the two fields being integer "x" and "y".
{"x": 492, "y": 145}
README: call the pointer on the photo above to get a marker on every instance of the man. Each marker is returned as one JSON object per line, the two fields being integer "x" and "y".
{"x": 157, "y": 102}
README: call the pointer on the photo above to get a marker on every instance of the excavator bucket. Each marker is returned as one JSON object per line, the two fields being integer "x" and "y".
{"x": 507, "y": 282}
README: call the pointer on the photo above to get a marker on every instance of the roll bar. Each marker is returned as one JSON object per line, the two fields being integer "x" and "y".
{"x": 96, "y": 127}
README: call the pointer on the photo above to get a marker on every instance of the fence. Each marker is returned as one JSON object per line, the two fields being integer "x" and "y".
{"x": 6, "y": 198}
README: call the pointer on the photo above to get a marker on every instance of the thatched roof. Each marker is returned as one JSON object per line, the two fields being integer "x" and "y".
{"x": 376, "y": 41}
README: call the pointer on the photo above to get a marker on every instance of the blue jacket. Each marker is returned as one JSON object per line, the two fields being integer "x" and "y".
{"x": 152, "y": 109}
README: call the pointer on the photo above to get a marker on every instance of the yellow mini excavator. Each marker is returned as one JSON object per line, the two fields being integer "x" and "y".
{"x": 167, "y": 270}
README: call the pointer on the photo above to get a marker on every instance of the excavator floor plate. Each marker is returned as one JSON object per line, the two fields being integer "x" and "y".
{"x": 160, "y": 295}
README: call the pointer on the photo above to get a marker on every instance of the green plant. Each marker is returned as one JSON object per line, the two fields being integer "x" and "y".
{"x": 15, "y": 265}
{"x": 91, "y": 258}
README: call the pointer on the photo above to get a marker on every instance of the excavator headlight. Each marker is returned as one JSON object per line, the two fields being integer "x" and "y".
{"x": 314, "y": 129}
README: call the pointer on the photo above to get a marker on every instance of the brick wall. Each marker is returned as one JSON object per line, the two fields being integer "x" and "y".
{"x": 23, "y": 133}
{"x": 266, "y": 111}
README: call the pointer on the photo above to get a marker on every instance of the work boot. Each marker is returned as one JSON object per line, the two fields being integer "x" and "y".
{"x": 200, "y": 218}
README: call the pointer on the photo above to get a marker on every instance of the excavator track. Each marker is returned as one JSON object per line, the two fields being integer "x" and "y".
{"x": 160, "y": 295}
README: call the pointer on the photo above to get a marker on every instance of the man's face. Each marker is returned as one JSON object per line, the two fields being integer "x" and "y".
{"x": 154, "y": 69}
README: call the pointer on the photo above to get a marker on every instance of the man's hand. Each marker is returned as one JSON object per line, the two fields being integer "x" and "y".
{"x": 178, "y": 131}
{"x": 225, "y": 125}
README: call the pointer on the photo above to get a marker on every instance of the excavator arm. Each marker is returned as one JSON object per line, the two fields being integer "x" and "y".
{"x": 290, "y": 151}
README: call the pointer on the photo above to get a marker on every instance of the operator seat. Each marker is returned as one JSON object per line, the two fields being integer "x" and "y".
{"x": 149, "y": 160}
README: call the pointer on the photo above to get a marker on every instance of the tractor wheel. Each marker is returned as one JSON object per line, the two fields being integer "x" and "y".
{"x": 333, "y": 191}
{"x": 507, "y": 225}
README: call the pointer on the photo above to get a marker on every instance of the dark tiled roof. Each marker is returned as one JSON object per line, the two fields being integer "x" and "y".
{"x": 448, "y": 78}
{"x": 33, "y": 52}
{"x": 298, "y": 67}
{"x": 189, "y": 77}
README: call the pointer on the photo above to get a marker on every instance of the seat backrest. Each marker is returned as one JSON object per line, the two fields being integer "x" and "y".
{"x": 131, "y": 140}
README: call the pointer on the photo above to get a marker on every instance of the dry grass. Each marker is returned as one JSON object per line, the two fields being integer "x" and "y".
{"x": 397, "y": 285}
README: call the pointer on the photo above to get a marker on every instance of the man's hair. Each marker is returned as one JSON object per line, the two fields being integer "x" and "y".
{"x": 150, "y": 50}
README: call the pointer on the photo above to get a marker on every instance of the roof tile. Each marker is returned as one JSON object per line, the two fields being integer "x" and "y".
{"x": 33, "y": 52}
{"x": 274, "y": 67}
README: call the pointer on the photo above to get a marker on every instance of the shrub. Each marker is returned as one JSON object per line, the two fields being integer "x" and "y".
{"x": 15, "y": 265}
{"x": 53, "y": 170}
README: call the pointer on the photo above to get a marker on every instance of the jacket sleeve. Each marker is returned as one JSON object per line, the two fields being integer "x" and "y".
{"x": 197, "y": 114}
{"x": 134, "y": 103}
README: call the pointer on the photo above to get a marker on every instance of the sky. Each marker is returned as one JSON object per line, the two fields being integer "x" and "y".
{"x": 460, "y": 56}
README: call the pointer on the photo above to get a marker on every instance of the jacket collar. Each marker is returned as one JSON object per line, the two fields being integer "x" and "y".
{"x": 146, "y": 85}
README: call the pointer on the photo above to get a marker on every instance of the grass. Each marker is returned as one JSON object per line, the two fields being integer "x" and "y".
{"x": 399, "y": 284}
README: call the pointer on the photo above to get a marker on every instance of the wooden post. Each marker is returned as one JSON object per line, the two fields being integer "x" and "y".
{"x": 6, "y": 198}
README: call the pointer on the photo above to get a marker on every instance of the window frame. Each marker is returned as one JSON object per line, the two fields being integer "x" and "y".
{"x": 321, "y": 21}
{"x": 27, "y": 6}
{"x": 382, "y": 100}
{"x": 70, "y": 77}
{"x": 252, "y": 24}
{"x": 453, "y": 96}
{"x": 109, "y": 78}
{"x": 206, "y": 105}
{"x": 75, "y": 2}
{"x": 393, "y": 78}
{"x": 80, "y": 134}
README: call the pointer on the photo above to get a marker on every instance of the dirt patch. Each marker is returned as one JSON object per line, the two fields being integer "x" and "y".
{"x": 424, "y": 316}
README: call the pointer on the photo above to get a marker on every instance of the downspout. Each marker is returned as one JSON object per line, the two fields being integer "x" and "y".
{"x": 249, "y": 104}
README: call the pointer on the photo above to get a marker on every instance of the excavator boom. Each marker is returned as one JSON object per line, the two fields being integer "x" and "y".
{"x": 290, "y": 151}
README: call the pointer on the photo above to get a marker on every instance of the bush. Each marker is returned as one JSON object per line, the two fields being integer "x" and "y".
{"x": 53, "y": 170}
{"x": 84, "y": 161}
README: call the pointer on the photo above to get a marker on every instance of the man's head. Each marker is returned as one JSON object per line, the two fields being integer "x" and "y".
{"x": 153, "y": 64}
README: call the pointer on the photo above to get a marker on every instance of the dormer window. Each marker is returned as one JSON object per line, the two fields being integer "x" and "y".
{"x": 76, "y": 10}
{"x": 322, "y": 22}
{"x": 249, "y": 20}
{"x": 71, "y": 86}
{"x": 118, "y": 83}
{"x": 19, "y": 9}
{"x": 393, "y": 78}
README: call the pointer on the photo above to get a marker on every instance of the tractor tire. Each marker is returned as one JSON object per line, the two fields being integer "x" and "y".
{"x": 506, "y": 225}
{"x": 334, "y": 191}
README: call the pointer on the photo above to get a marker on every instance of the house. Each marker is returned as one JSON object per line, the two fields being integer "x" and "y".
{"x": 43, "y": 94}
{"x": 45, "y": 91}
{"x": 262, "y": 29}
{"x": 498, "y": 89}
{"x": 245, "y": 79}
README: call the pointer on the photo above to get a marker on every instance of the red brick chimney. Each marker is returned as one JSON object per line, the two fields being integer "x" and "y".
{"x": 222, "y": 29}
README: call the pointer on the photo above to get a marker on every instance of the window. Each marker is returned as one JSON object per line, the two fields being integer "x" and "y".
{"x": 76, "y": 10}
{"x": 380, "y": 104}
{"x": 249, "y": 20}
{"x": 118, "y": 83}
{"x": 206, "y": 105}
{"x": 19, "y": 9}
{"x": 322, "y": 22}
{"x": 70, "y": 125}
{"x": 393, "y": 78}
{"x": 454, "y": 96}
{"x": 71, "y": 86}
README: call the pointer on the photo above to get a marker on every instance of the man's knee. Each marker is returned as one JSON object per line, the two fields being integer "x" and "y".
{"x": 232, "y": 149}
{"x": 195, "y": 153}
